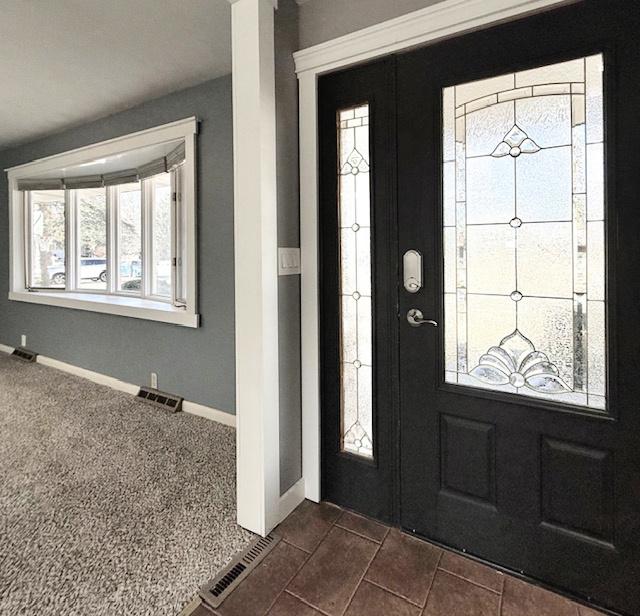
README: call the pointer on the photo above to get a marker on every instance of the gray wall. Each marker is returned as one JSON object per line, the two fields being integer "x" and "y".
{"x": 196, "y": 363}
{"x": 286, "y": 33}
{"x": 322, "y": 20}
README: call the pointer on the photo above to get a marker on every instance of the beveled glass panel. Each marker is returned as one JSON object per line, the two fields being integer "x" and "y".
{"x": 597, "y": 359}
{"x": 479, "y": 89}
{"x": 488, "y": 317}
{"x": 595, "y": 101}
{"x": 595, "y": 256}
{"x": 550, "y": 323}
{"x": 356, "y": 327}
{"x": 545, "y": 259}
{"x": 547, "y": 118}
{"x": 491, "y": 271}
{"x": 490, "y": 190}
{"x": 524, "y": 252}
{"x": 486, "y": 127}
{"x": 545, "y": 185}
{"x": 595, "y": 182}
{"x": 563, "y": 72}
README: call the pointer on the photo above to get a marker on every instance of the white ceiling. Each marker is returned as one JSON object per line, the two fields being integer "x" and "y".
{"x": 66, "y": 62}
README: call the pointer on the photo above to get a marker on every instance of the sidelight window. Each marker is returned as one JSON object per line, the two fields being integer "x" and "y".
{"x": 524, "y": 233}
{"x": 355, "y": 281}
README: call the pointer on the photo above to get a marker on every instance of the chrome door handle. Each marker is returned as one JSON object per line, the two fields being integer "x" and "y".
{"x": 416, "y": 318}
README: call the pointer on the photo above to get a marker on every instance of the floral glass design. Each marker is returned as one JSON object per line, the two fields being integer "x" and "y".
{"x": 524, "y": 230}
{"x": 517, "y": 362}
{"x": 515, "y": 142}
{"x": 356, "y": 332}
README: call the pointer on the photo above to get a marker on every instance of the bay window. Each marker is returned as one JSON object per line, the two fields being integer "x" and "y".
{"x": 112, "y": 232}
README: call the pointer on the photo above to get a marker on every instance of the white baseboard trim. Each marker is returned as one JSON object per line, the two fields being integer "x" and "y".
{"x": 193, "y": 408}
{"x": 292, "y": 498}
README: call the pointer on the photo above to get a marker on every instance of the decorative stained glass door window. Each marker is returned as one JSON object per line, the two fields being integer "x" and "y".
{"x": 354, "y": 205}
{"x": 524, "y": 233}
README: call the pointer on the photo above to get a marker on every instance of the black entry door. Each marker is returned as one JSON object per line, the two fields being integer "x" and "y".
{"x": 507, "y": 173}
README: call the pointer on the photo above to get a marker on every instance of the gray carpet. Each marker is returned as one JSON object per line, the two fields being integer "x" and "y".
{"x": 107, "y": 505}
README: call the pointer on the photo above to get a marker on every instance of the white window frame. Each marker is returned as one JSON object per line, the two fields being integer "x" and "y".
{"x": 140, "y": 306}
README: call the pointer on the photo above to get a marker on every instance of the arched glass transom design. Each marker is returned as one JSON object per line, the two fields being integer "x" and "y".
{"x": 524, "y": 233}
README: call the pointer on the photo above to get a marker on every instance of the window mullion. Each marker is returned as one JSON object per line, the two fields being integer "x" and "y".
{"x": 112, "y": 240}
{"x": 174, "y": 238}
{"x": 147, "y": 235}
{"x": 27, "y": 231}
{"x": 70, "y": 241}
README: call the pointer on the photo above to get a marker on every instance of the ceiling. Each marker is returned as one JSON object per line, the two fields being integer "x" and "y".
{"x": 68, "y": 62}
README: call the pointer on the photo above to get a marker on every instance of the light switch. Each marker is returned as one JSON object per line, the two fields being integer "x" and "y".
{"x": 288, "y": 261}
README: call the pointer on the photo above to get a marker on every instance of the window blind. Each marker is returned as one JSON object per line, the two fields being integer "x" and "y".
{"x": 127, "y": 176}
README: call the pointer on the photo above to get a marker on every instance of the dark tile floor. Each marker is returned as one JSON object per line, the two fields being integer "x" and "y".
{"x": 335, "y": 563}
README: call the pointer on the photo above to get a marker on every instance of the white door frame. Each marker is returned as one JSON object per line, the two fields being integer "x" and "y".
{"x": 442, "y": 20}
{"x": 260, "y": 505}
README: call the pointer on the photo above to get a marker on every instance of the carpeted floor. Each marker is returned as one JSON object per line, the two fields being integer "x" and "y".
{"x": 108, "y": 506}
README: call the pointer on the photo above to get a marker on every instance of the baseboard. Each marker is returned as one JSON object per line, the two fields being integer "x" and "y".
{"x": 291, "y": 498}
{"x": 193, "y": 408}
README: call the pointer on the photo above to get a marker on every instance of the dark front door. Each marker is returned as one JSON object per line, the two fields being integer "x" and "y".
{"x": 500, "y": 411}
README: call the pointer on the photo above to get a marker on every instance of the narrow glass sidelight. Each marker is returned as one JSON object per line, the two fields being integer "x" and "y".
{"x": 524, "y": 233}
{"x": 356, "y": 332}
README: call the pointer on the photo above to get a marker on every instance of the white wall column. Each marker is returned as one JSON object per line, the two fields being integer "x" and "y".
{"x": 256, "y": 275}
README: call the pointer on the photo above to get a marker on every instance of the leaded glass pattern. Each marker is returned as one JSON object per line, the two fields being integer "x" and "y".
{"x": 524, "y": 233}
{"x": 355, "y": 281}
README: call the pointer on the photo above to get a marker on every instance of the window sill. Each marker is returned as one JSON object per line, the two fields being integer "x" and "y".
{"x": 111, "y": 304}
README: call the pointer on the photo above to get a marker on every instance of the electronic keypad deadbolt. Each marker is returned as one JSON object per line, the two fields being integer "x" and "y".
{"x": 412, "y": 268}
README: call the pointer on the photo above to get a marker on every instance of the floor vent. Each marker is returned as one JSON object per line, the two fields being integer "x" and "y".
{"x": 159, "y": 398}
{"x": 216, "y": 591}
{"x": 24, "y": 355}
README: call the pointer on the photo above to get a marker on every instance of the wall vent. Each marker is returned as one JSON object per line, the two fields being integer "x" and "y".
{"x": 218, "y": 589}
{"x": 160, "y": 398}
{"x": 24, "y": 355}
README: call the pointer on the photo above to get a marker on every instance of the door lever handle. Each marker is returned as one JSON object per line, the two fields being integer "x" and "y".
{"x": 416, "y": 318}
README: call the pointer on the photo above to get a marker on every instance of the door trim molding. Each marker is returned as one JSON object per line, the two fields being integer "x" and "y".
{"x": 442, "y": 20}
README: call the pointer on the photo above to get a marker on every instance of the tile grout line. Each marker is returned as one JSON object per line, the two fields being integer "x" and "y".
{"x": 379, "y": 547}
{"x": 462, "y": 577}
{"x": 433, "y": 579}
{"x": 322, "y": 538}
{"x": 500, "y": 602}
{"x": 302, "y": 600}
{"x": 354, "y": 532}
{"x": 304, "y": 562}
{"x": 394, "y": 593}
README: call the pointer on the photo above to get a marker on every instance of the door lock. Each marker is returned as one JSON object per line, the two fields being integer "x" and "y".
{"x": 416, "y": 319}
{"x": 412, "y": 265}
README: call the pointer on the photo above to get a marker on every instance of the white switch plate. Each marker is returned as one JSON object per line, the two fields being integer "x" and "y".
{"x": 154, "y": 380}
{"x": 23, "y": 341}
{"x": 288, "y": 261}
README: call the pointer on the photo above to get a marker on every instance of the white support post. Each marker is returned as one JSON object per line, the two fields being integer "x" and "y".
{"x": 310, "y": 285}
{"x": 256, "y": 275}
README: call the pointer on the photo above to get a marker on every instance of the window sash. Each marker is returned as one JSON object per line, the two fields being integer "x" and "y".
{"x": 73, "y": 248}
